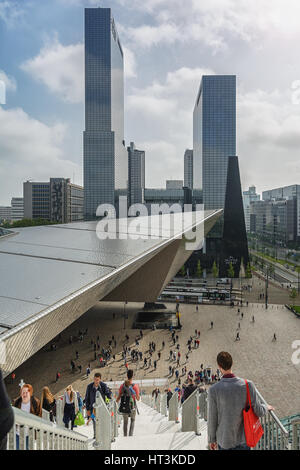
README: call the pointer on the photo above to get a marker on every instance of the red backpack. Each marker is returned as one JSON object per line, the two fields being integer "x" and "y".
{"x": 252, "y": 425}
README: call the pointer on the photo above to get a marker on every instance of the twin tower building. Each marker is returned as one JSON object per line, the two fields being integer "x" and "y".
{"x": 106, "y": 173}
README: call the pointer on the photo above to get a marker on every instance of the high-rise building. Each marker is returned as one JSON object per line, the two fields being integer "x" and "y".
{"x": 57, "y": 200}
{"x": 136, "y": 175}
{"x": 248, "y": 197}
{"x": 17, "y": 209}
{"x": 174, "y": 184}
{"x": 105, "y": 155}
{"x": 188, "y": 169}
{"x": 214, "y": 133}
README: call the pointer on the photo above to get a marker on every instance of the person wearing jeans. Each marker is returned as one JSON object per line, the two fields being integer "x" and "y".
{"x": 226, "y": 401}
{"x": 135, "y": 392}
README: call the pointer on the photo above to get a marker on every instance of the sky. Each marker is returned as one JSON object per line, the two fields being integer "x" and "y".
{"x": 168, "y": 46}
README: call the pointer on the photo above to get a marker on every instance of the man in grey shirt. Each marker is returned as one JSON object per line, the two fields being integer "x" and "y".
{"x": 226, "y": 401}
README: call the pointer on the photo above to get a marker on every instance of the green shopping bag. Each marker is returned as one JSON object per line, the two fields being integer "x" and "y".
{"x": 79, "y": 420}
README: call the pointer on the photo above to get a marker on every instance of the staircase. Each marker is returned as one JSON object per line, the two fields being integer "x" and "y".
{"x": 153, "y": 431}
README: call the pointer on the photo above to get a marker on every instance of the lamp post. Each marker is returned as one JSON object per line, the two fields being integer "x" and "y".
{"x": 124, "y": 315}
{"x": 267, "y": 285}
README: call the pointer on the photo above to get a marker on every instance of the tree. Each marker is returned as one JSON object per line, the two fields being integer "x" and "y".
{"x": 248, "y": 271}
{"x": 199, "y": 269}
{"x": 293, "y": 293}
{"x": 230, "y": 271}
{"x": 215, "y": 270}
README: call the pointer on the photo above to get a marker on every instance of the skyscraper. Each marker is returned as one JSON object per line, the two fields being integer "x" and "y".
{"x": 188, "y": 169}
{"x": 214, "y": 137}
{"x": 105, "y": 155}
{"x": 136, "y": 175}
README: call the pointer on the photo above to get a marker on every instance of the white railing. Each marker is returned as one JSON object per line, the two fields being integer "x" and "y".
{"x": 191, "y": 413}
{"x": 174, "y": 408}
{"x": 35, "y": 433}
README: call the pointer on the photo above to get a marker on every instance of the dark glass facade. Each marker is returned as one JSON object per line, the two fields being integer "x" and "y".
{"x": 105, "y": 155}
{"x": 214, "y": 137}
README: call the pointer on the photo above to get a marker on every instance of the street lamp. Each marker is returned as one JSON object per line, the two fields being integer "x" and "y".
{"x": 124, "y": 315}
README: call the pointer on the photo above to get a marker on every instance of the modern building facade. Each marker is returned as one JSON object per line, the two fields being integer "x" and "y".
{"x": 17, "y": 209}
{"x": 104, "y": 154}
{"x": 5, "y": 214}
{"x": 214, "y": 136}
{"x": 274, "y": 221}
{"x": 248, "y": 197}
{"x": 57, "y": 200}
{"x": 188, "y": 169}
{"x": 136, "y": 175}
{"x": 174, "y": 184}
{"x": 286, "y": 192}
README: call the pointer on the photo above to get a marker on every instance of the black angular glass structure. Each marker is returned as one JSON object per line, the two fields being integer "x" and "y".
{"x": 234, "y": 247}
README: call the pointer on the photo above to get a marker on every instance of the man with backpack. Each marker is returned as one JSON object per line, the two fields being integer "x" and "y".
{"x": 129, "y": 393}
{"x": 90, "y": 394}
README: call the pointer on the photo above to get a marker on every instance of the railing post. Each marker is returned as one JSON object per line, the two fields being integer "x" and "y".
{"x": 190, "y": 413}
{"x": 296, "y": 434}
{"x": 59, "y": 412}
{"x": 164, "y": 405}
{"x": 174, "y": 408}
{"x": 103, "y": 424}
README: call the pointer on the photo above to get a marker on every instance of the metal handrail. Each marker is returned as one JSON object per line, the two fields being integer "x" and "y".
{"x": 296, "y": 434}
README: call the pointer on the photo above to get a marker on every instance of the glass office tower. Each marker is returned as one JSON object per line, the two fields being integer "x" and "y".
{"x": 105, "y": 155}
{"x": 214, "y": 137}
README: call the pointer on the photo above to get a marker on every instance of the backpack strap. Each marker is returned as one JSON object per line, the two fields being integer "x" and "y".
{"x": 248, "y": 394}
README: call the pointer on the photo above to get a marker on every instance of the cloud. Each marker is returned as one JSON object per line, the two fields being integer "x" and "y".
{"x": 214, "y": 23}
{"x": 61, "y": 69}
{"x": 30, "y": 149}
{"x": 10, "y": 12}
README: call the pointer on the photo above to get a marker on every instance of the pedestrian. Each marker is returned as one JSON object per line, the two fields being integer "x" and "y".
{"x": 274, "y": 337}
{"x": 237, "y": 337}
{"x": 226, "y": 402}
{"x": 77, "y": 354}
{"x": 191, "y": 387}
{"x": 6, "y": 414}
{"x": 129, "y": 394}
{"x": 196, "y": 308}
{"x": 90, "y": 396}
{"x": 48, "y": 403}
{"x": 80, "y": 368}
{"x": 88, "y": 371}
{"x": 70, "y": 406}
{"x": 57, "y": 377}
{"x": 211, "y": 324}
{"x": 30, "y": 404}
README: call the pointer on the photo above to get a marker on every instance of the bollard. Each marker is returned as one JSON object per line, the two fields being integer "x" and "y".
{"x": 164, "y": 405}
{"x": 59, "y": 412}
{"x": 97, "y": 406}
{"x": 174, "y": 408}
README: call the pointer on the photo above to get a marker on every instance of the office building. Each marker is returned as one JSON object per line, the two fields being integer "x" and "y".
{"x": 286, "y": 192}
{"x": 136, "y": 175}
{"x": 57, "y": 200}
{"x": 5, "y": 214}
{"x": 17, "y": 209}
{"x": 248, "y": 197}
{"x": 214, "y": 135}
{"x": 105, "y": 155}
{"x": 274, "y": 221}
{"x": 188, "y": 169}
{"x": 174, "y": 184}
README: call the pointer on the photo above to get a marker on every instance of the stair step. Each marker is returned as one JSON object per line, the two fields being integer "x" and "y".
{"x": 167, "y": 441}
